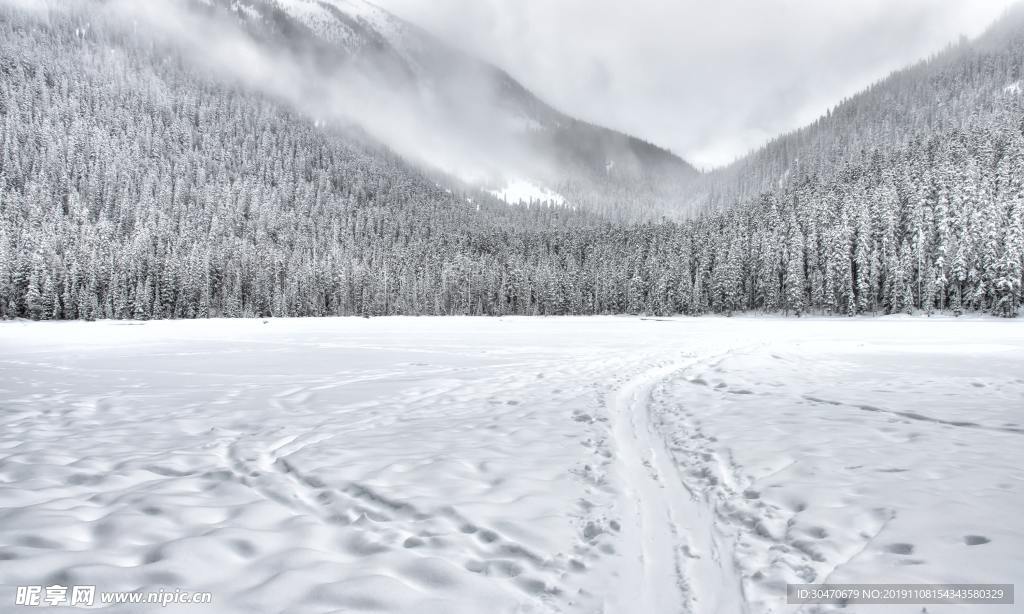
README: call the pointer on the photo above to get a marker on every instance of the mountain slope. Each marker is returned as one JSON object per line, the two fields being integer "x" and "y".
{"x": 972, "y": 82}
{"x": 138, "y": 180}
{"x": 490, "y": 129}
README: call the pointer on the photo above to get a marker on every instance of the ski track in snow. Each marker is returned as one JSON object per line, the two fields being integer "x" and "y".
{"x": 670, "y": 525}
{"x": 509, "y": 465}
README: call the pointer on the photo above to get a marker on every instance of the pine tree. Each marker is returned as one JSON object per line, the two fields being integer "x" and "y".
{"x": 795, "y": 272}
{"x": 34, "y": 306}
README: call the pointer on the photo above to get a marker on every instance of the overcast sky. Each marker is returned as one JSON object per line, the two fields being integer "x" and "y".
{"x": 709, "y": 79}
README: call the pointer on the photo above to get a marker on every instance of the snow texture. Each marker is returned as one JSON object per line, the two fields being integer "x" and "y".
{"x": 321, "y": 18}
{"x": 520, "y": 191}
{"x": 510, "y": 465}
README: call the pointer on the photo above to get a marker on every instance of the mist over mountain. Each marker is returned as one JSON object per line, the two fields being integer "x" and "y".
{"x": 970, "y": 84}
{"x": 349, "y": 63}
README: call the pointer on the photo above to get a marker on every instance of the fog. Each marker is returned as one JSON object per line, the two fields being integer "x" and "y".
{"x": 448, "y": 126}
{"x": 710, "y": 80}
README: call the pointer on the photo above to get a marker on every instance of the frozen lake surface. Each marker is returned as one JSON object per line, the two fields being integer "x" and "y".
{"x": 424, "y": 465}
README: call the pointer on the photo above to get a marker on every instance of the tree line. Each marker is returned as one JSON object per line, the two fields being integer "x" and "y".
{"x": 134, "y": 187}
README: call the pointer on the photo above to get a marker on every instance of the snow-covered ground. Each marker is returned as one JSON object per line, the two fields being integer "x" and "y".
{"x": 520, "y": 192}
{"x": 510, "y": 465}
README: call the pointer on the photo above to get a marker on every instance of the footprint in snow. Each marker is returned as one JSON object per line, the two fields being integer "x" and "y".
{"x": 902, "y": 549}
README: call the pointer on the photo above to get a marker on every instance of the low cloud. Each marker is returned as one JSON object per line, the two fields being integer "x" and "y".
{"x": 451, "y": 130}
{"x": 710, "y": 80}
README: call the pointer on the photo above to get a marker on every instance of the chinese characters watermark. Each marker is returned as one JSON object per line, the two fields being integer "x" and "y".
{"x": 86, "y": 596}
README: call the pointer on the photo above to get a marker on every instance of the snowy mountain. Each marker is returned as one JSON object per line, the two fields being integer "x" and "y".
{"x": 484, "y": 127}
{"x": 970, "y": 84}
{"x": 156, "y": 163}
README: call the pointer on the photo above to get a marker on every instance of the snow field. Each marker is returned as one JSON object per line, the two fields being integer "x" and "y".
{"x": 512, "y": 464}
